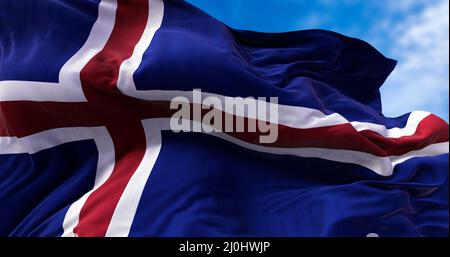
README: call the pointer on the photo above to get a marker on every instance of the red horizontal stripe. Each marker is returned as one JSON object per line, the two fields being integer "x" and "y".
{"x": 430, "y": 130}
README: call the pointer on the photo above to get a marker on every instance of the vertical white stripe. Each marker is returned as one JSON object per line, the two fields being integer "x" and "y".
{"x": 105, "y": 166}
{"x": 69, "y": 76}
{"x": 125, "y": 82}
{"x": 123, "y": 215}
{"x": 54, "y": 137}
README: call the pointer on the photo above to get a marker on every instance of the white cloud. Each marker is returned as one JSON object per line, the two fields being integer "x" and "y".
{"x": 421, "y": 79}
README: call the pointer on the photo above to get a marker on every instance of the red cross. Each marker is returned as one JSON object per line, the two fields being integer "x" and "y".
{"x": 105, "y": 106}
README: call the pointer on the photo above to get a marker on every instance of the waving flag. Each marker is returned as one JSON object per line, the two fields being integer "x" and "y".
{"x": 86, "y": 147}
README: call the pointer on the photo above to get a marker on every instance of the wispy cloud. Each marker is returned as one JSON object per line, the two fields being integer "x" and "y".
{"x": 421, "y": 44}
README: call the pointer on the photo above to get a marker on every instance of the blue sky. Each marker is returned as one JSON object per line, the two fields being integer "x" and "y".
{"x": 414, "y": 32}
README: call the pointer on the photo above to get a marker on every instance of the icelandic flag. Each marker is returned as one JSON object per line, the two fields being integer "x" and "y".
{"x": 86, "y": 148}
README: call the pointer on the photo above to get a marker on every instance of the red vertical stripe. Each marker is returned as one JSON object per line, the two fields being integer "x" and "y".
{"x": 99, "y": 75}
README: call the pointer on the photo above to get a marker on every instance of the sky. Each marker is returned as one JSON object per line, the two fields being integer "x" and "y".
{"x": 413, "y": 32}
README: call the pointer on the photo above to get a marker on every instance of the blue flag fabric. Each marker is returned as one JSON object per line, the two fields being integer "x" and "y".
{"x": 71, "y": 170}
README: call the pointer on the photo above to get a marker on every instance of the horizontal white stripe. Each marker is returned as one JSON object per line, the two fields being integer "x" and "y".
{"x": 68, "y": 89}
{"x": 43, "y": 140}
{"x": 430, "y": 150}
{"x": 410, "y": 128}
{"x": 381, "y": 165}
{"x": 293, "y": 116}
{"x": 12, "y": 90}
{"x": 51, "y": 138}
